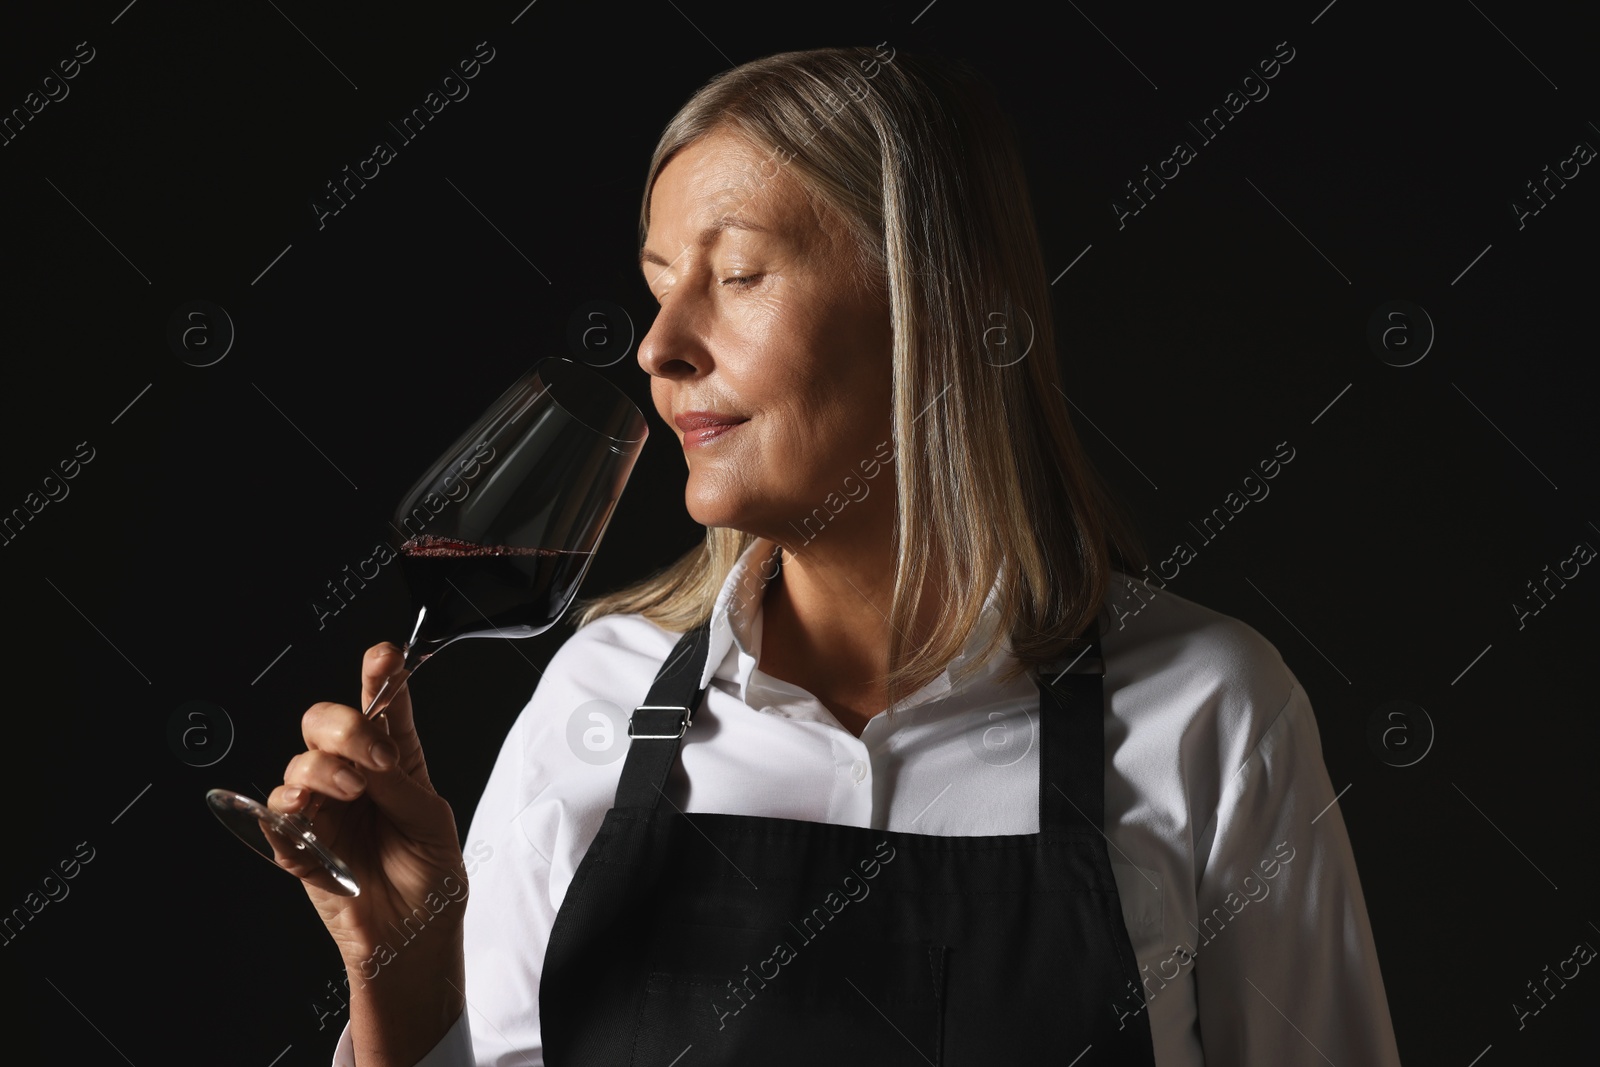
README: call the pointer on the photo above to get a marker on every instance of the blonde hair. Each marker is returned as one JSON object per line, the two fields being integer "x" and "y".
{"x": 918, "y": 158}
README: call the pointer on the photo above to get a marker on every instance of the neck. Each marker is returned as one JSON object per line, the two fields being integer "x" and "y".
{"x": 825, "y": 618}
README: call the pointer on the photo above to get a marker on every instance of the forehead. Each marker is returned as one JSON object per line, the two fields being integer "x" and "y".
{"x": 722, "y": 180}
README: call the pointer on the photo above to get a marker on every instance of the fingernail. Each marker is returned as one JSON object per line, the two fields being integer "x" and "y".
{"x": 292, "y": 795}
{"x": 348, "y": 780}
{"x": 384, "y": 754}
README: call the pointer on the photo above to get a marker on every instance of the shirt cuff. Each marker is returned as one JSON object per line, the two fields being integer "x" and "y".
{"x": 453, "y": 1050}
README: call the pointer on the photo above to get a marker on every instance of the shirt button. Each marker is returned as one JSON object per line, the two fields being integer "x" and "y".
{"x": 858, "y": 770}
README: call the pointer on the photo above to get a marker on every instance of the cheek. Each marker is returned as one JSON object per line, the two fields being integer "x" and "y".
{"x": 846, "y": 382}
{"x": 762, "y": 333}
{"x": 768, "y": 356}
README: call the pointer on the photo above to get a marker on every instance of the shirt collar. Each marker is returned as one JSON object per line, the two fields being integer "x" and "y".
{"x": 736, "y": 615}
{"x": 735, "y": 632}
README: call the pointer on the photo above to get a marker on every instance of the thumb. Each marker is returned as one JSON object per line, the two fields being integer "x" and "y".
{"x": 382, "y": 673}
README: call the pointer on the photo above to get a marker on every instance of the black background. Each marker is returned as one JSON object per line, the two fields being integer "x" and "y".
{"x": 1224, "y": 318}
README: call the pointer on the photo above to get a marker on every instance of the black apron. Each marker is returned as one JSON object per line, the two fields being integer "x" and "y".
{"x": 688, "y": 940}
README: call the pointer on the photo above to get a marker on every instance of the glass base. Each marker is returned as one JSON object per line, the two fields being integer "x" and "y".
{"x": 287, "y": 841}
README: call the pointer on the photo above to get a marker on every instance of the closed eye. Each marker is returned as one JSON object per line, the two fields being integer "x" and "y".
{"x": 743, "y": 281}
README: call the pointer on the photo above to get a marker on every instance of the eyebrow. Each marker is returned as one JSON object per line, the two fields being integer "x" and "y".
{"x": 727, "y": 222}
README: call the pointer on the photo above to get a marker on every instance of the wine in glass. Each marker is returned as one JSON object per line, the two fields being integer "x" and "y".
{"x": 493, "y": 540}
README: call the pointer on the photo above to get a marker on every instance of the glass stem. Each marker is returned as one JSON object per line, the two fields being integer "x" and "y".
{"x": 380, "y": 699}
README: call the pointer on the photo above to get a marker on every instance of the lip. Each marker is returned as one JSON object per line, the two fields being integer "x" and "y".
{"x": 700, "y": 427}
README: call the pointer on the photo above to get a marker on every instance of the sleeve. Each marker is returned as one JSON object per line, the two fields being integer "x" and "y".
{"x": 1285, "y": 966}
{"x": 509, "y": 911}
{"x": 453, "y": 1050}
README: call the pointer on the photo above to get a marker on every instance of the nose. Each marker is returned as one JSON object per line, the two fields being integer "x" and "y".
{"x": 674, "y": 347}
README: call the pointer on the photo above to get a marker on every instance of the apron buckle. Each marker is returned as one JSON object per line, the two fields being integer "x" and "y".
{"x": 684, "y": 716}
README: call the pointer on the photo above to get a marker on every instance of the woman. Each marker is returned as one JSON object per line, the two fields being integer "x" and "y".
{"x": 919, "y": 772}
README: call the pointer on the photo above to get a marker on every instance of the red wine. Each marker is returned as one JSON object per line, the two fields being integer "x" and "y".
{"x": 469, "y": 590}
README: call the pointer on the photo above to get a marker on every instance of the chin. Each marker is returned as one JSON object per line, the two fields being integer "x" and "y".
{"x": 710, "y": 507}
{"x": 713, "y": 505}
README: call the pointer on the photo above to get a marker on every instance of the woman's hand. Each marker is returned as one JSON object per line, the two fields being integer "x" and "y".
{"x": 401, "y": 936}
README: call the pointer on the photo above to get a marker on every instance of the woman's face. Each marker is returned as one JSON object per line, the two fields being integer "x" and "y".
{"x": 764, "y": 317}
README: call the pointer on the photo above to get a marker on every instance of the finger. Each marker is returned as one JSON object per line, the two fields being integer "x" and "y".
{"x": 325, "y": 773}
{"x": 288, "y": 851}
{"x": 408, "y": 802}
{"x": 288, "y": 799}
{"x": 339, "y": 729}
{"x": 384, "y": 663}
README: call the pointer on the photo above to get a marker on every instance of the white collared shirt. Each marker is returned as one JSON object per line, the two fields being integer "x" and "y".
{"x": 1234, "y": 870}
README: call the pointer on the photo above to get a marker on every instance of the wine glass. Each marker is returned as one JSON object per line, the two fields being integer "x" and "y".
{"x": 493, "y": 541}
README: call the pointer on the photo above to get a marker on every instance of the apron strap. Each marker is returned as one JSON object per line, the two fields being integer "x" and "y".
{"x": 658, "y": 725}
{"x": 1072, "y": 780}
